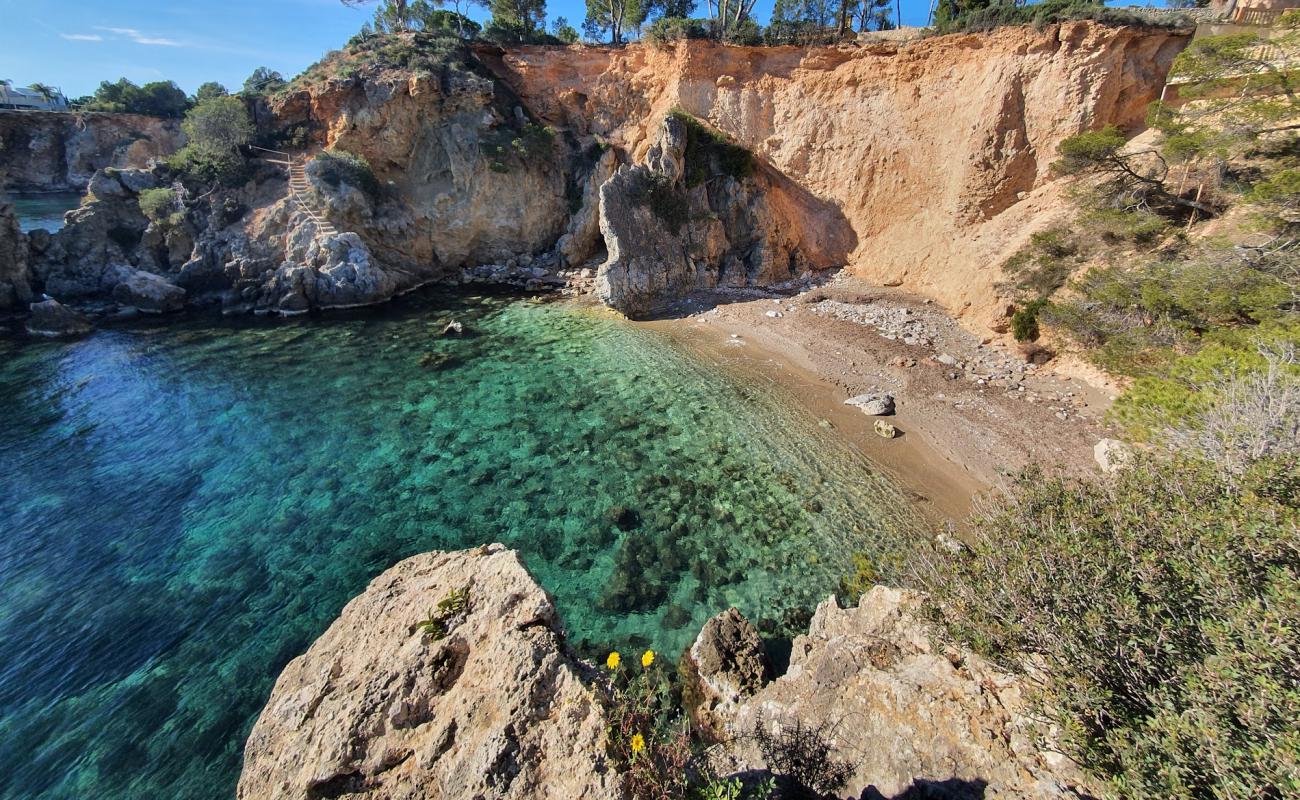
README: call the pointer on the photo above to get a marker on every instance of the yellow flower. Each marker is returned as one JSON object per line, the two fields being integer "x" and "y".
{"x": 647, "y": 658}
{"x": 612, "y": 661}
{"x": 638, "y": 743}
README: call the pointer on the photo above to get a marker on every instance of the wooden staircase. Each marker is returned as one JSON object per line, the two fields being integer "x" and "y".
{"x": 300, "y": 191}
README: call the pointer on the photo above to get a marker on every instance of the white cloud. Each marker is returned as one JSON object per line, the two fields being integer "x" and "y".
{"x": 139, "y": 38}
{"x": 82, "y": 37}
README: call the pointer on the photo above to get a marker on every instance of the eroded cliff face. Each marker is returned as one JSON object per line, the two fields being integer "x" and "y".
{"x": 47, "y": 151}
{"x": 485, "y": 702}
{"x": 458, "y": 190}
{"x": 934, "y": 157}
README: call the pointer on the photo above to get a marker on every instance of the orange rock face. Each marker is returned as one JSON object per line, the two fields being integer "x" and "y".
{"x": 933, "y": 156}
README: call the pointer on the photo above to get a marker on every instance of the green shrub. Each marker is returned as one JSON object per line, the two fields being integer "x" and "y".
{"x": 672, "y": 29}
{"x": 1163, "y": 608}
{"x": 1043, "y": 265}
{"x": 709, "y": 152}
{"x": 954, "y": 16}
{"x": 339, "y": 166}
{"x": 198, "y": 165}
{"x": 664, "y": 199}
{"x": 1116, "y": 226}
{"x": 528, "y": 144}
{"x": 1024, "y": 322}
{"x": 1176, "y": 395}
{"x": 158, "y": 204}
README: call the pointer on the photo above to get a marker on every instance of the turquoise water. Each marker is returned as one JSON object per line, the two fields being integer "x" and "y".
{"x": 186, "y": 506}
{"x": 44, "y": 210}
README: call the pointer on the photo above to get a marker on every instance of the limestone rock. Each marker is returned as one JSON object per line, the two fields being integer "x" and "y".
{"x": 1111, "y": 454}
{"x": 903, "y": 713}
{"x": 721, "y": 232}
{"x": 933, "y": 156}
{"x": 150, "y": 293}
{"x": 50, "y": 318}
{"x": 730, "y": 665}
{"x": 14, "y": 287}
{"x": 876, "y": 404}
{"x": 490, "y": 706}
{"x": 60, "y": 151}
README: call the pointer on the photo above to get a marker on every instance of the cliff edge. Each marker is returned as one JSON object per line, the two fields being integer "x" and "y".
{"x": 449, "y": 678}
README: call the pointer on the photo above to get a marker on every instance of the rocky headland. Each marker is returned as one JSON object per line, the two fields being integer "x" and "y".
{"x": 449, "y": 677}
{"x": 46, "y": 151}
{"x": 662, "y": 170}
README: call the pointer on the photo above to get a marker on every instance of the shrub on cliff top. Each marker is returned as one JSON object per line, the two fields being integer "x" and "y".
{"x": 1160, "y": 614}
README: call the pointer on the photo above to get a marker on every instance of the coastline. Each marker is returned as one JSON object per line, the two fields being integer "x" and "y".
{"x": 960, "y": 438}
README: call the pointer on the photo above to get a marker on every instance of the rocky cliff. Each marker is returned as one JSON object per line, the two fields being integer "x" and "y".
{"x": 931, "y": 158}
{"x": 49, "y": 151}
{"x": 15, "y": 289}
{"x": 449, "y": 678}
{"x": 699, "y": 165}
{"x": 480, "y": 701}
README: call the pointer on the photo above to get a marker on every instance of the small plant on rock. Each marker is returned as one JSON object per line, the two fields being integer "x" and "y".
{"x": 440, "y": 622}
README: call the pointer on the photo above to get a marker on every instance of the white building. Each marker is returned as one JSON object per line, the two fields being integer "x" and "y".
{"x": 28, "y": 99}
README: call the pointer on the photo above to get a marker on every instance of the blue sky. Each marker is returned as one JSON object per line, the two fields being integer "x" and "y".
{"x": 74, "y": 44}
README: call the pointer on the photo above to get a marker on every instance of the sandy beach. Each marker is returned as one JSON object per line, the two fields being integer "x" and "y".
{"x": 970, "y": 412}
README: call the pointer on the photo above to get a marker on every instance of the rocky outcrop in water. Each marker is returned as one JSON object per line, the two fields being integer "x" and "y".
{"x": 15, "y": 290}
{"x": 51, "y": 319}
{"x": 60, "y": 151}
{"x": 483, "y": 701}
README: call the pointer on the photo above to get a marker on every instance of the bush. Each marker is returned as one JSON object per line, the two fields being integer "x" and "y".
{"x": 206, "y": 166}
{"x": 1161, "y": 610}
{"x": 528, "y": 144}
{"x": 801, "y": 755}
{"x": 710, "y": 153}
{"x": 1043, "y": 265}
{"x": 339, "y": 166}
{"x": 672, "y": 29}
{"x": 1024, "y": 322}
{"x": 973, "y": 16}
{"x": 158, "y": 204}
{"x": 218, "y": 125}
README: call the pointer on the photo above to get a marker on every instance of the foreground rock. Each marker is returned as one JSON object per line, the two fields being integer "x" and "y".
{"x": 489, "y": 706}
{"x": 903, "y": 715}
{"x": 729, "y": 665}
{"x": 50, "y": 318}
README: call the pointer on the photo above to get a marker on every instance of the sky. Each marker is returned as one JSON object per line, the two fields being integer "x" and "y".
{"x": 75, "y": 44}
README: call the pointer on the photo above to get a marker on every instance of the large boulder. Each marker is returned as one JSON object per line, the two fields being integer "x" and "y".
{"x": 50, "y": 318}
{"x": 728, "y": 665}
{"x": 666, "y": 237}
{"x": 482, "y": 702}
{"x": 902, "y": 714}
{"x": 150, "y": 293}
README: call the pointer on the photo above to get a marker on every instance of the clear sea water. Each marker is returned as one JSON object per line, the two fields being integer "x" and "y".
{"x": 44, "y": 210}
{"x": 186, "y": 505}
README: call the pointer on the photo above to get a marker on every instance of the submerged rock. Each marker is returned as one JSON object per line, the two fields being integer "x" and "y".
{"x": 51, "y": 318}
{"x": 482, "y": 701}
